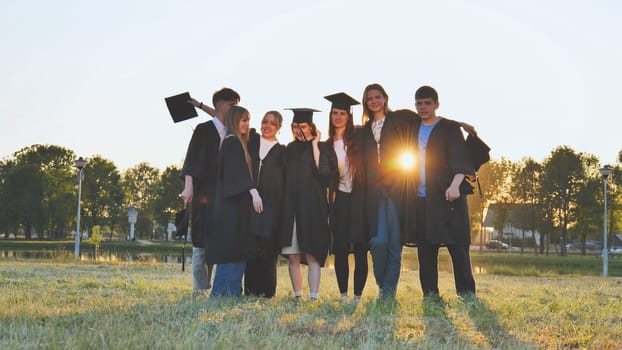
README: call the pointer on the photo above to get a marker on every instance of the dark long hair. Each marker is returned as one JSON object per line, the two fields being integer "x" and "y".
{"x": 354, "y": 149}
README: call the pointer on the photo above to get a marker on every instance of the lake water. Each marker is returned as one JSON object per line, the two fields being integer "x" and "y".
{"x": 90, "y": 256}
{"x": 409, "y": 258}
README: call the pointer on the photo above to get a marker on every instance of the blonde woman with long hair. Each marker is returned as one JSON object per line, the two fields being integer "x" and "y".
{"x": 230, "y": 244}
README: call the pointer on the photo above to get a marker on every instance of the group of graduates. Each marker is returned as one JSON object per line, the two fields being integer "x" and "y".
{"x": 398, "y": 179}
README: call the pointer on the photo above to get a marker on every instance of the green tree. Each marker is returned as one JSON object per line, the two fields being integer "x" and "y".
{"x": 495, "y": 178}
{"x": 614, "y": 202}
{"x": 614, "y": 197}
{"x": 102, "y": 194}
{"x": 524, "y": 189}
{"x": 588, "y": 211}
{"x": 139, "y": 185}
{"x": 59, "y": 199}
{"x": 5, "y": 165}
{"x": 563, "y": 177}
{"x": 95, "y": 239}
{"x": 498, "y": 185}
{"x": 22, "y": 199}
{"x": 545, "y": 223}
{"x": 166, "y": 201}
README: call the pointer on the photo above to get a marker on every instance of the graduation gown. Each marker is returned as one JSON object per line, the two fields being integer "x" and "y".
{"x": 229, "y": 239}
{"x": 305, "y": 199}
{"x": 355, "y": 211}
{"x": 269, "y": 182}
{"x": 446, "y": 155}
{"x": 387, "y": 177}
{"x": 201, "y": 163}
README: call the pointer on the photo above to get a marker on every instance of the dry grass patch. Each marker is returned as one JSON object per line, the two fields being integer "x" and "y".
{"x": 50, "y": 305}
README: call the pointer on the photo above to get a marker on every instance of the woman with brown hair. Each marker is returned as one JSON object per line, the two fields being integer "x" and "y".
{"x": 304, "y": 225}
{"x": 346, "y": 196}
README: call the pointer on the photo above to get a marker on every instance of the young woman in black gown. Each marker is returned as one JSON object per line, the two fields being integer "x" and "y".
{"x": 268, "y": 165}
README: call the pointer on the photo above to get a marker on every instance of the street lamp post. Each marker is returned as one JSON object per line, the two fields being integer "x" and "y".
{"x": 605, "y": 171}
{"x": 132, "y": 214}
{"x": 79, "y": 163}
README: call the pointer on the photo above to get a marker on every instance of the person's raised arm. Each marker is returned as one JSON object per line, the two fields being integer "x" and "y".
{"x": 316, "y": 148}
{"x": 205, "y": 108}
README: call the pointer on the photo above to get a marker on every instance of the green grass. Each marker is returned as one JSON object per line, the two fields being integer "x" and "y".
{"x": 545, "y": 266}
{"x": 81, "y": 305}
{"x": 525, "y": 265}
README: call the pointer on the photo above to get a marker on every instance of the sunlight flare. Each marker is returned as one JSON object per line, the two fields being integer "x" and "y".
{"x": 407, "y": 160}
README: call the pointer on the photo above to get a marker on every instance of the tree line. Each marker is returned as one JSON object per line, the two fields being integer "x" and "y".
{"x": 560, "y": 197}
{"x": 38, "y": 195}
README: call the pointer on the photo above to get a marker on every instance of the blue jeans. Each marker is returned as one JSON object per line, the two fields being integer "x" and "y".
{"x": 200, "y": 276}
{"x": 386, "y": 248}
{"x": 228, "y": 279}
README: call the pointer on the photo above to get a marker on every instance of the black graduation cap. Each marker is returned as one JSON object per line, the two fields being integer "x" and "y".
{"x": 181, "y": 223}
{"x": 179, "y": 107}
{"x": 303, "y": 115}
{"x": 341, "y": 100}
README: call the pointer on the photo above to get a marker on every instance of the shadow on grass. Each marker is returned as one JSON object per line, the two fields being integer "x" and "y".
{"x": 439, "y": 328}
{"x": 487, "y": 323}
{"x": 380, "y": 317}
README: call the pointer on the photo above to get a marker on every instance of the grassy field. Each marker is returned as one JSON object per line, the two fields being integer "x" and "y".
{"x": 62, "y": 304}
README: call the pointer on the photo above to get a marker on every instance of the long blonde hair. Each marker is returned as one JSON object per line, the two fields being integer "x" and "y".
{"x": 232, "y": 123}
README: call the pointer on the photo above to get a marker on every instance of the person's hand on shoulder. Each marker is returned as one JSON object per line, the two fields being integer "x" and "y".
{"x": 468, "y": 128}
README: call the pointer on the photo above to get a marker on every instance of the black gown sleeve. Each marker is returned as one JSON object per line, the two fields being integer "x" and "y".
{"x": 236, "y": 177}
{"x": 459, "y": 158}
{"x": 328, "y": 167}
{"x": 197, "y": 151}
{"x": 333, "y": 185}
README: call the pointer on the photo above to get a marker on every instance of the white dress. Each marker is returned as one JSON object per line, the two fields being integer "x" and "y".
{"x": 292, "y": 249}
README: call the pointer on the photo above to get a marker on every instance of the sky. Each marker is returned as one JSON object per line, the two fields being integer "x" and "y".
{"x": 92, "y": 76}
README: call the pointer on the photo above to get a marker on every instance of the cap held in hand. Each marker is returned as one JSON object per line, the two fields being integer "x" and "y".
{"x": 180, "y": 108}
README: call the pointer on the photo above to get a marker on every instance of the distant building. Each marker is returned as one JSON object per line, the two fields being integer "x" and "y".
{"x": 511, "y": 229}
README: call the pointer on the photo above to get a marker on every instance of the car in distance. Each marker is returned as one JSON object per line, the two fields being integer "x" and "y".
{"x": 496, "y": 244}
